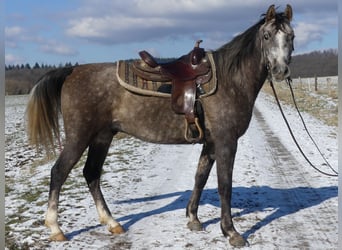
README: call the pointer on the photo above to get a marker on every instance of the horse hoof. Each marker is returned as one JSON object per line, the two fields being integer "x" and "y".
{"x": 117, "y": 230}
{"x": 238, "y": 241}
{"x": 58, "y": 237}
{"x": 195, "y": 226}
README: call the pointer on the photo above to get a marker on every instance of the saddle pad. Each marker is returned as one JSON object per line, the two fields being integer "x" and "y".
{"x": 136, "y": 84}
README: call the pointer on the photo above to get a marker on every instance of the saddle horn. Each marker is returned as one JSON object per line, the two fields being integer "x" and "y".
{"x": 197, "y": 54}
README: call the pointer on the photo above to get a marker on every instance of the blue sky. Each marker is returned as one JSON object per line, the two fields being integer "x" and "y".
{"x": 87, "y": 31}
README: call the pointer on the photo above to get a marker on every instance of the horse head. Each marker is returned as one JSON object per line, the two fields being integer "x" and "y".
{"x": 276, "y": 35}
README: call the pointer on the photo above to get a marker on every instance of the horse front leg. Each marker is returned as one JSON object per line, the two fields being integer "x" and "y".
{"x": 225, "y": 156}
{"x": 203, "y": 170}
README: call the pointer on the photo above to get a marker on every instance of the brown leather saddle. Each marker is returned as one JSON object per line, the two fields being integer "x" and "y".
{"x": 186, "y": 73}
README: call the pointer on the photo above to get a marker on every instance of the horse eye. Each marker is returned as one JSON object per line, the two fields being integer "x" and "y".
{"x": 266, "y": 35}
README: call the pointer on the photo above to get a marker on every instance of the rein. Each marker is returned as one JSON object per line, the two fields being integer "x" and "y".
{"x": 288, "y": 80}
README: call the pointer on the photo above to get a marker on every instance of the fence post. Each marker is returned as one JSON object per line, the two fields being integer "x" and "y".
{"x": 329, "y": 85}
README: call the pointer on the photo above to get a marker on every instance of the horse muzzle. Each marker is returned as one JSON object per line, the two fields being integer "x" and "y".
{"x": 280, "y": 73}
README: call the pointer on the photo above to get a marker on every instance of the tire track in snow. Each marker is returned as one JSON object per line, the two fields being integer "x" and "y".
{"x": 292, "y": 174}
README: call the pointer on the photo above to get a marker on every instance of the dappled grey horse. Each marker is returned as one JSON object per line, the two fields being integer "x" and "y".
{"x": 95, "y": 108}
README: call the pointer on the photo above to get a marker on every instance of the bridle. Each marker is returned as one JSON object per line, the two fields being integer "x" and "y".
{"x": 267, "y": 63}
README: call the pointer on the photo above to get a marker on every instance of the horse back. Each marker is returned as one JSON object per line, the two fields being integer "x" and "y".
{"x": 93, "y": 99}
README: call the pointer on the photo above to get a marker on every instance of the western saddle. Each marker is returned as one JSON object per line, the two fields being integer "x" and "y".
{"x": 186, "y": 74}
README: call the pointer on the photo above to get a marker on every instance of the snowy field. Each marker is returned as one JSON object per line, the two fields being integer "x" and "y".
{"x": 279, "y": 201}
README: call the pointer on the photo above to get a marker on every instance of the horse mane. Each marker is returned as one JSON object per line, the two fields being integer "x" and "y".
{"x": 232, "y": 55}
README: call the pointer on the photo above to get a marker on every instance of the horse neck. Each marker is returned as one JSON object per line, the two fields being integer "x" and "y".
{"x": 241, "y": 65}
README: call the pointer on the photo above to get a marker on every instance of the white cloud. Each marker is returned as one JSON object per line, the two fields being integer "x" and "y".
{"x": 307, "y": 32}
{"x": 16, "y": 34}
{"x": 104, "y": 27}
{"x": 114, "y": 22}
{"x": 162, "y": 8}
{"x": 13, "y": 31}
{"x": 53, "y": 47}
{"x": 13, "y": 34}
{"x": 140, "y": 20}
{"x": 11, "y": 59}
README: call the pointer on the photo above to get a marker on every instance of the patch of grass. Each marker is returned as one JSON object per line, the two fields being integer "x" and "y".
{"x": 120, "y": 136}
{"x": 16, "y": 219}
{"x": 321, "y": 104}
{"x": 13, "y": 245}
{"x": 8, "y": 189}
{"x": 45, "y": 182}
{"x": 40, "y": 204}
{"x": 31, "y": 196}
{"x": 41, "y": 161}
{"x": 121, "y": 170}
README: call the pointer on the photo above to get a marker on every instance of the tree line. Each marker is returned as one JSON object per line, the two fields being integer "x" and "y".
{"x": 316, "y": 63}
{"x": 38, "y": 66}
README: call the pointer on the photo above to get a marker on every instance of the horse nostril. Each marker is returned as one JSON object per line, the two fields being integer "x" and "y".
{"x": 275, "y": 70}
{"x": 287, "y": 71}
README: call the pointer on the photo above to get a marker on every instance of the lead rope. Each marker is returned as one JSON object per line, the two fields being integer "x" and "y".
{"x": 288, "y": 80}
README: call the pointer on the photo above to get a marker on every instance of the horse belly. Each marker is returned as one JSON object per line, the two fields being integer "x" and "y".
{"x": 149, "y": 119}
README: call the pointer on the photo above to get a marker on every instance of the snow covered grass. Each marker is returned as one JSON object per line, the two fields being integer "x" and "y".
{"x": 322, "y": 104}
{"x": 278, "y": 202}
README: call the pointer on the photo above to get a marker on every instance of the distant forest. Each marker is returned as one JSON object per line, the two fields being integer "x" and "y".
{"x": 317, "y": 63}
{"x": 19, "y": 79}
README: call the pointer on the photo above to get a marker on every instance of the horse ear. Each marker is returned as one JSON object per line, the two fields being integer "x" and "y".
{"x": 271, "y": 13}
{"x": 288, "y": 12}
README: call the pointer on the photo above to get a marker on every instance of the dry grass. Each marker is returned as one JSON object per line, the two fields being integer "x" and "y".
{"x": 322, "y": 104}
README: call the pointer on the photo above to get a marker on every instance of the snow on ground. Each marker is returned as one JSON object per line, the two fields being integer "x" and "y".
{"x": 279, "y": 201}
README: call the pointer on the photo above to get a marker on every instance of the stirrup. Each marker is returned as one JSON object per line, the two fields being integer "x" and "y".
{"x": 199, "y": 130}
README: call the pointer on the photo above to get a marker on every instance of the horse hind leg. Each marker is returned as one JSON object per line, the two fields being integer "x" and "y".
{"x": 203, "y": 170}
{"x": 97, "y": 153}
{"x": 59, "y": 173}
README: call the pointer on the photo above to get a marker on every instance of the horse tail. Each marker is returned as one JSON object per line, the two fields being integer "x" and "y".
{"x": 44, "y": 107}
